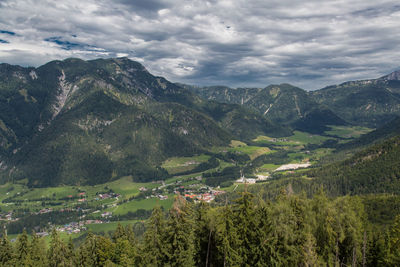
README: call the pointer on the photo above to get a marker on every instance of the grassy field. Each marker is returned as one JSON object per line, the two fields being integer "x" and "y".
{"x": 320, "y": 153}
{"x": 284, "y": 141}
{"x": 106, "y": 227}
{"x": 307, "y": 138}
{"x": 123, "y": 186}
{"x": 180, "y": 164}
{"x": 95, "y": 228}
{"x": 252, "y": 151}
{"x": 146, "y": 204}
{"x": 269, "y": 167}
{"x": 347, "y": 131}
{"x": 234, "y": 188}
{"x": 236, "y": 143}
{"x": 298, "y": 138}
{"x": 127, "y": 188}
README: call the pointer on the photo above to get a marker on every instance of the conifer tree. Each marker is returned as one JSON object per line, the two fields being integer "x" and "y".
{"x": 37, "y": 251}
{"x": 87, "y": 251}
{"x": 124, "y": 253}
{"x": 324, "y": 231}
{"x": 376, "y": 255}
{"x": 58, "y": 254}
{"x": 154, "y": 250}
{"x": 96, "y": 251}
{"x": 22, "y": 249}
{"x": 130, "y": 235}
{"x": 119, "y": 233}
{"x": 179, "y": 234}
{"x": 247, "y": 229}
{"x": 265, "y": 249}
{"x": 104, "y": 250}
{"x": 283, "y": 235}
{"x": 228, "y": 242}
{"x": 349, "y": 227}
{"x": 310, "y": 257}
{"x": 203, "y": 234}
{"x": 393, "y": 244}
{"x": 7, "y": 256}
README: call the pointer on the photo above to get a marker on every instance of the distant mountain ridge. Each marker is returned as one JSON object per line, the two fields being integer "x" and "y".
{"x": 283, "y": 104}
{"x": 369, "y": 103}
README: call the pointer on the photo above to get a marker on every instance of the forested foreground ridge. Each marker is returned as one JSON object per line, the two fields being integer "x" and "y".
{"x": 292, "y": 230}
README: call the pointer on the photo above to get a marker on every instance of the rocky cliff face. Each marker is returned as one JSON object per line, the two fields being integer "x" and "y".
{"x": 394, "y": 76}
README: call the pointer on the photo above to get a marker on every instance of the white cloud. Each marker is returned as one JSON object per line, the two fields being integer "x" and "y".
{"x": 236, "y": 42}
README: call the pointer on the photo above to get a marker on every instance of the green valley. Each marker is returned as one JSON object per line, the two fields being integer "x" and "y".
{"x": 89, "y": 148}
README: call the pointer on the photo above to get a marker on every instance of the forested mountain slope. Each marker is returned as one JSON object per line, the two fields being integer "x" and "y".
{"x": 382, "y": 133}
{"x": 371, "y": 171}
{"x": 79, "y": 122}
{"x": 92, "y": 121}
{"x": 369, "y": 103}
{"x": 283, "y": 104}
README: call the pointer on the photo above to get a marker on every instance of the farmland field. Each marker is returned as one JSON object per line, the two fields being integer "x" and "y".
{"x": 347, "y": 131}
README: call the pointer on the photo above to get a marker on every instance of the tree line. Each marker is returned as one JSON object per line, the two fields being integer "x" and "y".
{"x": 292, "y": 230}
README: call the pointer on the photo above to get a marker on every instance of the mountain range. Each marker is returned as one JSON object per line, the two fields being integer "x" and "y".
{"x": 370, "y": 103}
{"x": 88, "y": 122}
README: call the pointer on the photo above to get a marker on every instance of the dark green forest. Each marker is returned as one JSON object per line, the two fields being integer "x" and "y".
{"x": 291, "y": 230}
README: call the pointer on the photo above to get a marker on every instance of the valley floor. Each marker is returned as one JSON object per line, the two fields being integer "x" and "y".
{"x": 74, "y": 210}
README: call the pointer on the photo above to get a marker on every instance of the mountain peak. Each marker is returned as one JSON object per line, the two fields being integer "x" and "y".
{"x": 394, "y": 76}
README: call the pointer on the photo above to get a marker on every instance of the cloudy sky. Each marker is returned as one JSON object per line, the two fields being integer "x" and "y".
{"x": 308, "y": 43}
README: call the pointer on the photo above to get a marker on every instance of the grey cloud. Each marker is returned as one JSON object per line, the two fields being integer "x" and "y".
{"x": 144, "y": 8}
{"x": 148, "y": 5}
{"x": 238, "y": 42}
{"x": 377, "y": 11}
